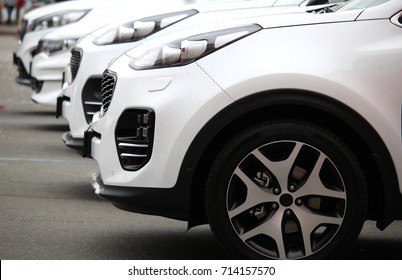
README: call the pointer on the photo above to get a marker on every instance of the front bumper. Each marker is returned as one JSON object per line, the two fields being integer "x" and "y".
{"x": 89, "y": 62}
{"x": 22, "y": 58}
{"x": 49, "y": 71}
{"x": 87, "y": 145}
{"x": 59, "y": 105}
{"x": 180, "y": 111}
{"x": 68, "y": 109}
{"x": 47, "y": 93}
{"x": 83, "y": 91}
{"x": 63, "y": 108}
{"x": 71, "y": 142}
{"x": 171, "y": 203}
{"x": 23, "y": 77}
{"x": 177, "y": 111}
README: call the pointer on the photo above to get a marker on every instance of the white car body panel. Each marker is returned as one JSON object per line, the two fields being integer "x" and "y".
{"x": 336, "y": 82}
{"x": 244, "y": 81}
{"x": 165, "y": 140}
{"x": 96, "y": 58}
{"x": 192, "y": 119}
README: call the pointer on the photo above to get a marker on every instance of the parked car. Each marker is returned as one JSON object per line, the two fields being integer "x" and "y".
{"x": 48, "y": 34}
{"x": 81, "y": 97}
{"x": 283, "y": 133}
{"x": 39, "y": 22}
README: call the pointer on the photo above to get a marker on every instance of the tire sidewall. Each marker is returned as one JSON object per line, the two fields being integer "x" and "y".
{"x": 317, "y": 137}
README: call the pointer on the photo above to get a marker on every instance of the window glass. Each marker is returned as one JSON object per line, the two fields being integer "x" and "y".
{"x": 361, "y": 4}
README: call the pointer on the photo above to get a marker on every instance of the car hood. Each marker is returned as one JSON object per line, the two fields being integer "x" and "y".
{"x": 270, "y": 20}
{"x": 91, "y": 4}
{"x": 240, "y": 8}
{"x": 104, "y": 14}
{"x": 62, "y": 6}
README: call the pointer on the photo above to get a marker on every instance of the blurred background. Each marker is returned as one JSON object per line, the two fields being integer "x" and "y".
{"x": 13, "y": 10}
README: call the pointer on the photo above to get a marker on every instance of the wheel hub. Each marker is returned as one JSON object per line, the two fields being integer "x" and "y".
{"x": 286, "y": 200}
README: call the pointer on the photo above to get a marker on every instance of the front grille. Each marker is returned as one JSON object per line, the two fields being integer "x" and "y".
{"x": 109, "y": 80}
{"x": 134, "y": 137}
{"x": 75, "y": 63}
{"x": 22, "y": 30}
{"x": 91, "y": 97}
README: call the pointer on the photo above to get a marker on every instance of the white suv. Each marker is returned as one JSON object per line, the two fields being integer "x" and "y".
{"x": 283, "y": 132}
{"x": 48, "y": 34}
{"x": 35, "y": 24}
{"x": 81, "y": 97}
{"x": 41, "y": 21}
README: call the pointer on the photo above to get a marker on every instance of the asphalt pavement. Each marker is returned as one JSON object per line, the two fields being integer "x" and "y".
{"x": 48, "y": 209}
{"x": 8, "y": 29}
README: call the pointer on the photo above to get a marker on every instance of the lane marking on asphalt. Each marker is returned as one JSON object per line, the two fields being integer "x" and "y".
{"x": 47, "y": 160}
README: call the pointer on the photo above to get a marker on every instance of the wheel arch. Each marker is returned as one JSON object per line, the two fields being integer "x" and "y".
{"x": 369, "y": 148}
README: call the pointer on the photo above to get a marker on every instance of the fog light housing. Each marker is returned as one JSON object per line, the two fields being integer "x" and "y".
{"x": 134, "y": 138}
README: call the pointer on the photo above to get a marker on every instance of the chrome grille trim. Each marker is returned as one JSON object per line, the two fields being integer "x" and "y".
{"x": 133, "y": 155}
{"x": 93, "y": 103}
{"x": 75, "y": 62}
{"x": 107, "y": 89}
{"x": 133, "y": 145}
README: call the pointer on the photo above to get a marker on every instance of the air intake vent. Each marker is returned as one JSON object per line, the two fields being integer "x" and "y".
{"x": 91, "y": 97}
{"x": 134, "y": 137}
{"x": 107, "y": 88}
{"x": 75, "y": 62}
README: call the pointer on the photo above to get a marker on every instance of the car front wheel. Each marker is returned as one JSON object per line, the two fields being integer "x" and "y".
{"x": 286, "y": 190}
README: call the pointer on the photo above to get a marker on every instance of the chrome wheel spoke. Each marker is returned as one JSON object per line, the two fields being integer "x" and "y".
{"x": 309, "y": 222}
{"x": 314, "y": 186}
{"x": 255, "y": 195}
{"x": 271, "y": 228}
{"x": 282, "y": 168}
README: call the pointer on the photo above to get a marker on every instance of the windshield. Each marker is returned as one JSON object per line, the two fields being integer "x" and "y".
{"x": 361, "y": 4}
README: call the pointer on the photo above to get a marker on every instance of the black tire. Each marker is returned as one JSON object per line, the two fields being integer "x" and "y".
{"x": 286, "y": 190}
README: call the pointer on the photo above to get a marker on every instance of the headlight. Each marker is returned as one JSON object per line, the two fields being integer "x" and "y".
{"x": 53, "y": 46}
{"x": 185, "y": 51}
{"x": 136, "y": 30}
{"x": 58, "y": 19}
